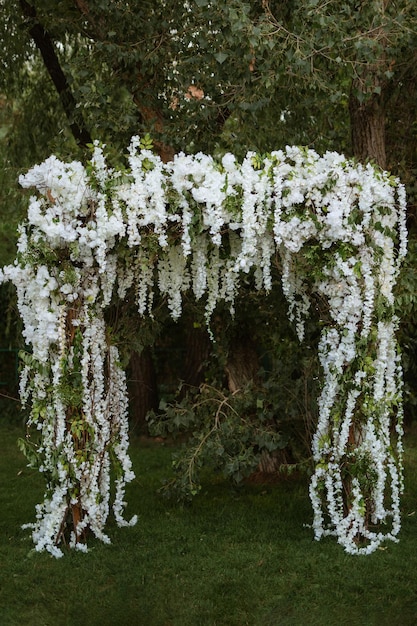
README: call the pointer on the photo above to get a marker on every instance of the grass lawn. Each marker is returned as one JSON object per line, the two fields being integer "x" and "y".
{"x": 232, "y": 558}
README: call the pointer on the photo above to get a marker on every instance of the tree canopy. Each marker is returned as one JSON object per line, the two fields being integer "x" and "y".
{"x": 209, "y": 76}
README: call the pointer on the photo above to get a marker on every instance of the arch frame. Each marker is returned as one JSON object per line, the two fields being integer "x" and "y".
{"x": 196, "y": 224}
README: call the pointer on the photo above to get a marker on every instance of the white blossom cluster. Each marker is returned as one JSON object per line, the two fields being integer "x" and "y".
{"x": 93, "y": 233}
{"x": 76, "y": 445}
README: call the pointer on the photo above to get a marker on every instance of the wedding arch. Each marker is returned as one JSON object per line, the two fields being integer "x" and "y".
{"x": 93, "y": 232}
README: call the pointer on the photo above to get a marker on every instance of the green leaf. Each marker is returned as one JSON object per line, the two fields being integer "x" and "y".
{"x": 221, "y": 57}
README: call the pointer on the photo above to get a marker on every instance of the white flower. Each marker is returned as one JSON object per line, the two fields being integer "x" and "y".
{"x": 163, "y": 225}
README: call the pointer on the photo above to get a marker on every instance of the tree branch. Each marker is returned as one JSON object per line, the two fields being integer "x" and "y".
{"x": 46, "y": 47}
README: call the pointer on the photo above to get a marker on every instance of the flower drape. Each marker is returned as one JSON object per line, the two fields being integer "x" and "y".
{"x": 93, "y": 232}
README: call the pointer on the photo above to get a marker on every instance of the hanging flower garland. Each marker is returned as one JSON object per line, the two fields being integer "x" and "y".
{"x": 93, "y": 232}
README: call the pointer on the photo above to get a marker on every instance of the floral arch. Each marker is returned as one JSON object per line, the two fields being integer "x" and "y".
{"x": 195, "y": 224}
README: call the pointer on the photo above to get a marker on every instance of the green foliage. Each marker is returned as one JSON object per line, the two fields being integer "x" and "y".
{"x": 230, "y": 433}
{"x": 30, "y": 451}
{"x": 70, "y": 389}
{"x": 146, "y": 142}
{"x": 274, "y": 415}
{"x": 261, "y": 74}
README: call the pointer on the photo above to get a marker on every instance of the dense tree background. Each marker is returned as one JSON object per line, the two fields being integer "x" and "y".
{"x": 213, "y": 76}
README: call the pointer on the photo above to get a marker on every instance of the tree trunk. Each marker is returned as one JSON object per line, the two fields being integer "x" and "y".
{"x": 367, "y": 121}
{"x": 142, "y": 386}
{"x": 367, "y": 102}
{"x": 198, "y": 346}
{"x": 242, "y": 368}
{"x": 242, "y": 363}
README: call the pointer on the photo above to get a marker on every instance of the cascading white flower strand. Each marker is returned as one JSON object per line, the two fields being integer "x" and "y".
{"x": 93, "y": 232}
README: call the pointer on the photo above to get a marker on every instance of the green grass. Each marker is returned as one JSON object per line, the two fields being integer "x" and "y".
{"x": 231, "y": 558}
